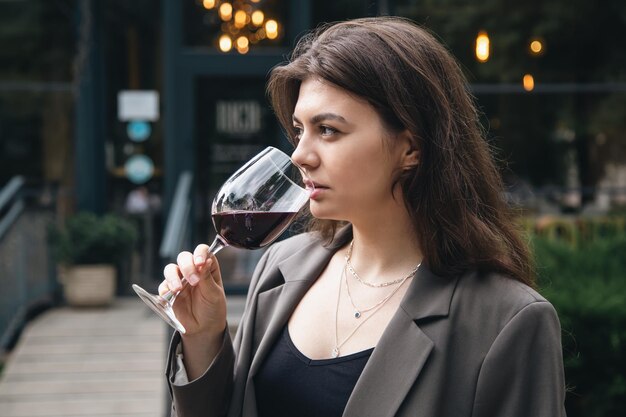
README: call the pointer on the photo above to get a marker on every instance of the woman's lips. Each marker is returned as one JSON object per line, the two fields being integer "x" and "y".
{"x": 315, "y": 189}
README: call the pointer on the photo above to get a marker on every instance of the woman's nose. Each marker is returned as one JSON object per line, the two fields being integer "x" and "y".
{"x": 304, "y": 155}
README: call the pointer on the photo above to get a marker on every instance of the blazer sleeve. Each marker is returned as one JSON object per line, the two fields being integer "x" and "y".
{"x": 522, "y": 373}
{"x": 210, "y": 394}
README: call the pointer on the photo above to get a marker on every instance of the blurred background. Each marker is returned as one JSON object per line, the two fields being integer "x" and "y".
{"x": 120, "y": 119}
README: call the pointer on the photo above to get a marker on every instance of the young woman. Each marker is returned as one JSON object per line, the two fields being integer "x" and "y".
{"x": 411, "y": 295}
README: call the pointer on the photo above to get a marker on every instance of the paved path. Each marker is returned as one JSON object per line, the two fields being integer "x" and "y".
{"x": 88, "y": 362}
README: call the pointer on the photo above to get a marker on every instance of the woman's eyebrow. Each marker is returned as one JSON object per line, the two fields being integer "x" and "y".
{"x": 322, "y": 117}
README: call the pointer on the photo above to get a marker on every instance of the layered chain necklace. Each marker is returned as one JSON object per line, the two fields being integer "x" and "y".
{"x": 369, "y": 284}
{"x": 358, "y": 312}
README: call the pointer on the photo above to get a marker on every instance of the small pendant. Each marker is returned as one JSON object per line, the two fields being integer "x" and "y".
{"x": 357, "y": 314}
{"x": 335, "y": 353}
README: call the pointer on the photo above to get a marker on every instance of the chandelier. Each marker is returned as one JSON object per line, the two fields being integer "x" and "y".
{"x": 243, "y": 23}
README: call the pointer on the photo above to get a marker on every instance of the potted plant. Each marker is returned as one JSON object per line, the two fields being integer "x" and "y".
{"x": 88, "y": 248}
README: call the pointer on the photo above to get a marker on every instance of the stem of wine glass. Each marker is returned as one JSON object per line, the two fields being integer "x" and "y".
{"x": 217, "y": 245}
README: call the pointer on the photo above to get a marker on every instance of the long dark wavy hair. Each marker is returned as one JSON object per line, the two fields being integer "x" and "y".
{"x": 455, "y": 194}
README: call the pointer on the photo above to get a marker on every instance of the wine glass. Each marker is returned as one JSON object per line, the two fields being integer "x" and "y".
{"x": 251, "y": 209}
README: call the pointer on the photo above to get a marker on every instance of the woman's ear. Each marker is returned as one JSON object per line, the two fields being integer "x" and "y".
{"x": 410, "y": 156}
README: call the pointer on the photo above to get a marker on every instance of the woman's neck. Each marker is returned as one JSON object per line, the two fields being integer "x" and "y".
{"x": 385, "y": 248}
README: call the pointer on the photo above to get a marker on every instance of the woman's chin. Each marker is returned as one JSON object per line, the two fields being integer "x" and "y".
{"x": 319, "y": 212}
{"x": 323, "y": 213}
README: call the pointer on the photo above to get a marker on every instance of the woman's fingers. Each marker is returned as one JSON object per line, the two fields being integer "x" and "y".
{"x": 200, "y": 256}
{"x": 188, "y": 268}
{"x": 163, "y": 287}
{"x": 193, "y": 267}
{"x": 172, "y": 278}
{"x": 206, "y": 261}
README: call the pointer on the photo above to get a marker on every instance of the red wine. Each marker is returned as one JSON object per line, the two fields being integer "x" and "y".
{"x": 251, "y": 229}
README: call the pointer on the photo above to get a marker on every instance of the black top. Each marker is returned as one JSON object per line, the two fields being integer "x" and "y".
{"x": 290, "y": 384}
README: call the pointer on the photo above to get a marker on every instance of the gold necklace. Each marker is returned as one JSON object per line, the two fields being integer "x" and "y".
{"x": 369, "y": 284}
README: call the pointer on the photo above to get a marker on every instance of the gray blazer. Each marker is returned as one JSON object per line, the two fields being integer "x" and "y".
{"x": 475, "y": 345}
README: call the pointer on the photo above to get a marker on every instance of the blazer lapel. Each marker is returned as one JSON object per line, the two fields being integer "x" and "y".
{"x": 403, "y": 349}
{"x": 275, "y": 305}
{"x": 277, "y": 299}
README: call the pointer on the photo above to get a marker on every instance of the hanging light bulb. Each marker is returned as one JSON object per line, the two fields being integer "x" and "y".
{"x": 271, "y": 29}
{"x": 257, "y": 18}
{"x": 242, "y": 44}
{"x": 536, "y": 47}
{"x": 208, "y": 4}
{"x": 225, "y": 43}
{"x": 226, "y": 11}
{"x": 240, "y": 19}
{"x": 482, "y": 46}
{"x": 528, "y": 82}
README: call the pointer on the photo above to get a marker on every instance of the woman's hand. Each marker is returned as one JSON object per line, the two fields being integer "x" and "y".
{"x": 201, "y": 305}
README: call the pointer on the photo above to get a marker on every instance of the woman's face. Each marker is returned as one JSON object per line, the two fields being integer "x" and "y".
{"x": 347, "y": 153}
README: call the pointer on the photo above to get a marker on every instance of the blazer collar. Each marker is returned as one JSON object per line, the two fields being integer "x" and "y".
{"x": 429, "y": 295}
{"x": 309, "y": 262}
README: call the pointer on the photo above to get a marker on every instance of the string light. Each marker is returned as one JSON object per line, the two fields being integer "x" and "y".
{"x": 226, "y": 43}
{"x": 208, "y": 4}
{"x": 240, "y": 19}
{"x": 244, "y": 23}
{"x": 271, "y": 29}
{"x": 257, "y": 18}
{"x": 226, "y": 11}
{"x": 242, "y": 44}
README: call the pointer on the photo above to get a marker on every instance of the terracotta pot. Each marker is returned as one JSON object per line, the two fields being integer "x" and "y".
{"x": 89, "y": 285}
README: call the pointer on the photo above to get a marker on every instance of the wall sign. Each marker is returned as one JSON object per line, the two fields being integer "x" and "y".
{"x": 238, "y": 117}
{"x": 138, "y": 130}
{"x": 138, "y": 105}
{"x": 139, "y": 169}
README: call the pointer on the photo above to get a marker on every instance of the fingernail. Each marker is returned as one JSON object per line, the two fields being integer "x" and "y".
{"x": 193, "y": 279}
{"x": 199, "y": 260}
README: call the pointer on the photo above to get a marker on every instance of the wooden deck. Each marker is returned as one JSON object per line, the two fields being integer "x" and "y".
{"x": 88, "y": 362}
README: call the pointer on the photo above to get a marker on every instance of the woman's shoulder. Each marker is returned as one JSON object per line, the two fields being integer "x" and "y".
{"x": 499, "y": 286}
{"x": 496, "y": 296}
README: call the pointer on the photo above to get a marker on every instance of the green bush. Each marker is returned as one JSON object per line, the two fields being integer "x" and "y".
{"x": 87, "y": 238}
{"x": 586, "y": 283}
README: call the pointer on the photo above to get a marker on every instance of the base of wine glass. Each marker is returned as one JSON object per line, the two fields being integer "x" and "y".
{"x": 160, "y": 306}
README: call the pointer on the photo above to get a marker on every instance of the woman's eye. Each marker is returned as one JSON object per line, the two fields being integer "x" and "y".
{"x": 297, "y": 132}
{"x": 327, "y": 130}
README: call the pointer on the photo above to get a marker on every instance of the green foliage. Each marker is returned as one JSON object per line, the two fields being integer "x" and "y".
{"x": 89, "y": 239}
{"x": 582, "y": 270}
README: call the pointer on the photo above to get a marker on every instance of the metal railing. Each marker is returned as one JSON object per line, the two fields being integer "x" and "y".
{"x": 25, "y": 274}
{"x": 177, "y": 229}
{"x": 177, "y": 236}
{"x": 9, "y": 195}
